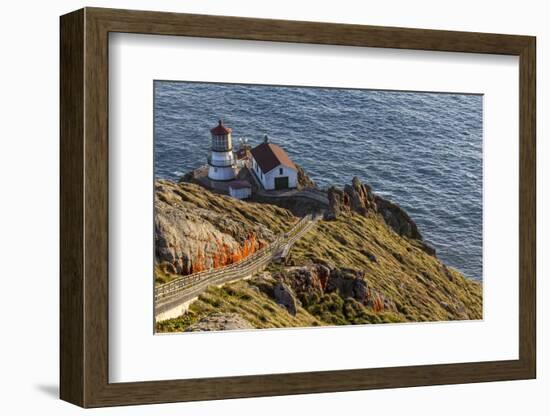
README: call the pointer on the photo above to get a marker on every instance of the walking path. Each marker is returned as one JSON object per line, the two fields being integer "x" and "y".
{"x": 173, "y": 297}
{"x": 309, "y": 193}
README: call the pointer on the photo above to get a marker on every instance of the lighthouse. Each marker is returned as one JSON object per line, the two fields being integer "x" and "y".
{"x": 221, "y": 163}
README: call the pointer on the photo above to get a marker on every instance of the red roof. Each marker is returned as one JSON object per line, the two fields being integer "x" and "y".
{"x": 220, "y": 129}
{"x": 268, "y": 156}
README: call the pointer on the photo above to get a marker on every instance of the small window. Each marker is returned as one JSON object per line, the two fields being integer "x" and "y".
{"x": 280, "y": 171}
{"x": 215, "y": 169}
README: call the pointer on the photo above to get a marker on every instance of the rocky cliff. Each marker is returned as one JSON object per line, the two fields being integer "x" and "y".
{"x": 359, "y": 198}
{"x": 197, "y": 230}
{"x": 366, "y": 263}
{"x": 304, "y": 181}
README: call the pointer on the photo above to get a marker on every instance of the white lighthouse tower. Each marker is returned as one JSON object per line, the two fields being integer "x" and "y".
{"x": 221, "y": 161}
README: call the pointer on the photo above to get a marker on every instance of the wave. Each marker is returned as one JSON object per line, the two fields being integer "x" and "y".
{"x": 424, "y": 150}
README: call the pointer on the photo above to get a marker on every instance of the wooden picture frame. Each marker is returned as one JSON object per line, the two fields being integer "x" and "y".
{"x": 84, "y": 207}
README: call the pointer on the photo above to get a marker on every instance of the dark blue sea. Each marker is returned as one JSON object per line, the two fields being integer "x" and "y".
{"x": 421, "y": 150}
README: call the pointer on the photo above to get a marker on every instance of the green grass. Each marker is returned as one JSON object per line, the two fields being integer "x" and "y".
{"x": 419, "y": 285}
{"x": 240, "y": 297}
{"x": 162, "y": 275}
{"x": 249, "y": 213}
{"x": 178, "y": 324}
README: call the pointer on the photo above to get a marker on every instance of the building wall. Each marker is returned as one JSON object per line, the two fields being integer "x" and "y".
{"x": 257, "y": 170}
{"x": 241, "y": 193}
{"x": 280, "y": 171}
{"x": 224, "y": 166}
{"x": 268, "y": 179}
{"x": 221, "y": 174}
{"x": 221, "y": 158}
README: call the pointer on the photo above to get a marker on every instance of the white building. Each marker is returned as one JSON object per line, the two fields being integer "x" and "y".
{"x": 221, "y": 160}
{"x": 240, "y": 189}
{"x": 273, "y": 167}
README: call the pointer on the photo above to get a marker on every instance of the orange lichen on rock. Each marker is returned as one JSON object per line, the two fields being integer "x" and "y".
{"x": 222, "y": 256}
{"x": 199, "y": 264}
{"x": 378, "y": 304}
{"x": 225, "y": 256}
{"x": 375, "y": 301}
{"x": 249, "y": 246}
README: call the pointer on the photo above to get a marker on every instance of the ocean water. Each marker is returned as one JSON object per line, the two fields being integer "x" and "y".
{"x": 421, "y": 150}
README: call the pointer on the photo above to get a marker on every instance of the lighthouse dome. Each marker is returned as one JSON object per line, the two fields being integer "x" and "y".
{"x": 221, "y": 138}
{"x": 220, "y": 129}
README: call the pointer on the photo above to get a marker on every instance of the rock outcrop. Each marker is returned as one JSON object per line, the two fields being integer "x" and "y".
{"x": 308, "y": 279}
{"x": 356, "y": 197}
{"x": 348, "y": 284}
{"x": 359, "y": 198}
{"x": 359, "y": 269}
{"x": 304, "y": 181}
{"x": 397, "y": 218}
{"x": 194, "y": 232}
{"x": 284, "y": 296}
{"x": 220, "y": 322}
{"x": 297, "y": 284}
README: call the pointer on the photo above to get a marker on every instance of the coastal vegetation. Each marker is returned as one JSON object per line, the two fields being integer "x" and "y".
{"x": 196, "y": 229}
{"x": 365, "y": 262}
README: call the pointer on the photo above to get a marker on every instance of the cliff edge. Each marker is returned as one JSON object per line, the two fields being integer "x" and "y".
{"x": 365, "y": 263}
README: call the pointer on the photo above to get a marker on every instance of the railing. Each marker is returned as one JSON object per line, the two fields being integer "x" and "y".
{"x": 236, "y": 270}
{"x": 190, "y": 280}
{"x": 298, "y": 235}
{"x": 308, "y": 193}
